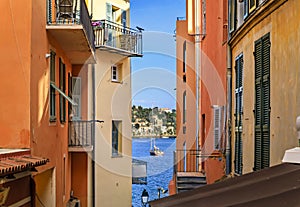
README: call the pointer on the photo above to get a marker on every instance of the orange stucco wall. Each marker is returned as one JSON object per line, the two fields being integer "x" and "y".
{"x": 79, "y": 177}
{"x": 213, "y": 81}
{"x": 15, "y": 61}
{"x": 212, "y": 73}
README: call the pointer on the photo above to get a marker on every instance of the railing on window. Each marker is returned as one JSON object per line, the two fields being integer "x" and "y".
{"x": 70, "y": 12}
{"x": 190, "y": 160}
{"x": 80, "y": 133}
{"x": 113, "y": 35}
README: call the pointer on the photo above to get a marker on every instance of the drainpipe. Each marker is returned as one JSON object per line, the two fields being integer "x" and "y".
{"x": 94, "y": 133}
{"x": 198, "y": 73}
{"x": 229, "y": 110}
{"x": 92, "y": 9}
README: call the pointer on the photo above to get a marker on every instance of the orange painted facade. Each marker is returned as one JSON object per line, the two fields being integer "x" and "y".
{"x": 24, "y": 109}
{"x": 201, "y": 41}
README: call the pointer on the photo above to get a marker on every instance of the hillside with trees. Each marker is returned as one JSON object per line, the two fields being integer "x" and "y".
{"x": 154, "y": 122}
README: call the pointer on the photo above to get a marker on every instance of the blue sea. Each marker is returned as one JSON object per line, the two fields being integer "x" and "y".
{"x": 159, "y": 168}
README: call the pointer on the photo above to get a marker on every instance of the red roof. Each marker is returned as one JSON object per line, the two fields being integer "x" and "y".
{"x": 16, "y": 164}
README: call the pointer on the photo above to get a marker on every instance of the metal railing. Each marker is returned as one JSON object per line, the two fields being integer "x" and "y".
{"x": 80, "y": 133}
{"x": 190, "y": 160}
{"x": 117, "y": 36}
{"x": 75, "y": 13}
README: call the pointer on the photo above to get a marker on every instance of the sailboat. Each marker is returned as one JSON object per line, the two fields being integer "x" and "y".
{"x": 154, "y": 150}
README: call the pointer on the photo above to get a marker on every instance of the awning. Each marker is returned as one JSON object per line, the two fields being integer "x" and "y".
{"x": 139, "y": 172}
{"x": 274, "y": 186}
{"x": 63, "y": 94}
{"x": 17, "y": 164}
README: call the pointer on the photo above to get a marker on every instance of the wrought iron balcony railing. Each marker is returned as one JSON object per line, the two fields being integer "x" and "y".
{"x": 117, "y": 38}
{"x": 71, "y": 12}
{"x": 81, "y": 133}
{"x": 190, "y": 160}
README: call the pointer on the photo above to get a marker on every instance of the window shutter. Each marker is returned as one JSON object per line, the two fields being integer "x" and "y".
{"x": 262, "y": 103}
{"x": 108, "y": 12}
{"x": 266, "y": 101}
{"x": 217, "y": 127}
{"x": 238, "y": 112}
{"x": 76, "y": 96}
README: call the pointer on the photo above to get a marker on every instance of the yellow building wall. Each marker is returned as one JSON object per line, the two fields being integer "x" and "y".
{"x": 113, "y": 102}
{"x": 99, "y": 9}
{"x": 283, "y": 26}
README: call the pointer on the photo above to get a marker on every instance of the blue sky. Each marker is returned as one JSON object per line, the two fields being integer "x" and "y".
{"x": 154, "y": 75}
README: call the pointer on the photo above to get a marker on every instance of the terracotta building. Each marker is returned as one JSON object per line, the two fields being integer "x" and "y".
{"x": 44, "y": 47}
{"x": 201, "y": 94}
{"x": 264, "y": 43}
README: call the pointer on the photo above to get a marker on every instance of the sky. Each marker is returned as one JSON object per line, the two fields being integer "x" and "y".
{"x": 154, "y": 75}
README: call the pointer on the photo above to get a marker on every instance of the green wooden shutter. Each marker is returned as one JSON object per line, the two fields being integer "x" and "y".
{"x": 262, "y": 103}
{"x": 62, "y": 87}
{"x": 238, "y": 162}
{"x": 266, "y": 101}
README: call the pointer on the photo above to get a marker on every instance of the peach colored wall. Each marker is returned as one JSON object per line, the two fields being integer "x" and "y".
{"x": 212, "y": 62}
{"x": 189, "y": 87}
{"x": 79, "y": 177}
{"x": 48, "y": 139}
{"x": 213, "y": 80}
{"x": 15, "y": 73}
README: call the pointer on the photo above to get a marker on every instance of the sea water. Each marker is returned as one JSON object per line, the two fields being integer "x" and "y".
{"x": 159, "y": 168}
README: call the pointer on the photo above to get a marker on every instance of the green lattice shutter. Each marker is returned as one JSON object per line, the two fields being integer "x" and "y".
{"x": 262, "y": 103}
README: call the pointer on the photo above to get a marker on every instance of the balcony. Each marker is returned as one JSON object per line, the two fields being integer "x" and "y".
{"x": 186, "y": 170}
{"x": 68, "y": 22}
{"x": 116, "y": 38}
{"x": 81, "y": 136}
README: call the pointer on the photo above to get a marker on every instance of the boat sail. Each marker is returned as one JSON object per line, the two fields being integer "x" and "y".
{"x": 154, "y": 150}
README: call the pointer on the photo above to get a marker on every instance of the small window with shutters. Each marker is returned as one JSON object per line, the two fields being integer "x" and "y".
{"x": 116, "y": 138}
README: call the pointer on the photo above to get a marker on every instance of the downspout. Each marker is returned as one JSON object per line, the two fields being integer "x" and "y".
{"x": 198, "y": 73}
{"x": 94, "y": 133}
{"x": 229, "y": 97}
{"x": 229, "y": 110}
{"x": 92, "y": 9}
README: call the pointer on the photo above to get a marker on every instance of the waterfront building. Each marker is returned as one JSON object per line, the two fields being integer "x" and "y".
{"x": 115, "y": 43}
{"x": 264, "y": 46}
{"x": 44, "y": 82}
{"x": 201, "y": 48}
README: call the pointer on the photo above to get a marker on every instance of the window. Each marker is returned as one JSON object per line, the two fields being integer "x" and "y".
{"x": 204, "y": 17}
{"x": 184, "y": 108}
{"x": 246, "y": 9}
{"x": 52, "y": 104}
{"x": 232, "y": 15}
{"x": 252, "y": 5}
{"x": 76, "y": 96}
{"x": 116, "y": 138}
{"x": 116, "y": 73}
{"x": 184, "y": 57}
{"x": 238, "y": 114}
{"x": 62, "y": 87}
{"x": 262, "y": 103}
{"x": 184, "y": 62}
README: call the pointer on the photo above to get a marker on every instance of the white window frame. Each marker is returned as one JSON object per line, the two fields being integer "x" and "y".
{"x": 114, "y": 68}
